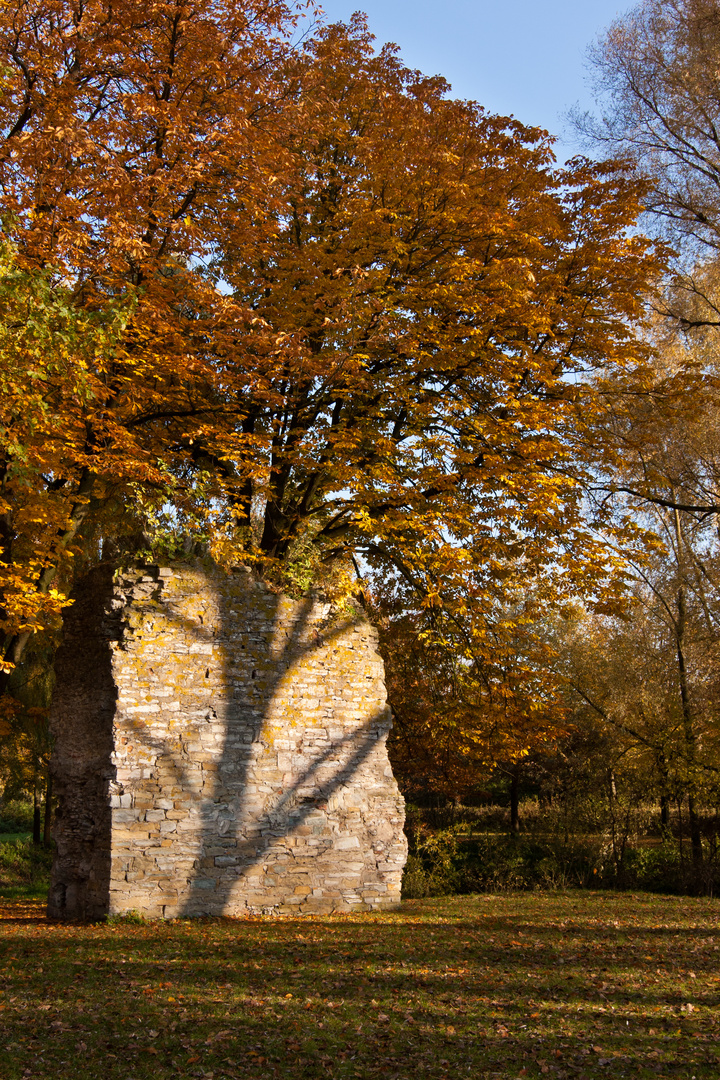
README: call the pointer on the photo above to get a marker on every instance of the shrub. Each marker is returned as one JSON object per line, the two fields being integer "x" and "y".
{"x": 16, "y": 816}
{"x": 127, "y": 918}
{"x": 24, "y": 868}
{"x": 434, "y": 866}
{"x": 458, "y": 861}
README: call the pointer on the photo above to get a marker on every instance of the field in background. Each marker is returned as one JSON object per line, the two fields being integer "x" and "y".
{"x": 566, "y": 985}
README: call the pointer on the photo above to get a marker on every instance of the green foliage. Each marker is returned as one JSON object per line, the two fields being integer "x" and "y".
{"x": 456, "y": 861}
{"x": 436, "y": 865}
{"x": 667, "y": 867}
{"x": 476, "y": 854}
{"x": 16, "y": 816}
{"x": 127, "y": 918}
{"x": 24, "y": 869}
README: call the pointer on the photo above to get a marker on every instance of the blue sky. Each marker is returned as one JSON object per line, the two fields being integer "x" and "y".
{"x": 513, "y": 56}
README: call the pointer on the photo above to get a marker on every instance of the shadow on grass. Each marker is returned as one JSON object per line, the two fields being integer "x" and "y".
{"x": 491, "y": 987}
{"x": 18, "y": 908}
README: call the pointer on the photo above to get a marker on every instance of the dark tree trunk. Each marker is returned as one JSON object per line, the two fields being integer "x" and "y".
{"x": 664, "y": 814}
{"x": 47, "y": 824}
{"x": 695, "y": 834}
{"x": 688, "y": 726}
{"x": 37, "y": 836}
{"x": 514, "y": 801}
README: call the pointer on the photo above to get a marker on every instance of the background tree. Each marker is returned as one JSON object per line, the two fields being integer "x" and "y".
{"x": 649, "y": 677}
{"x": 25, "y": 743}
{"x": 462, "y": 716}
{"x": 647, "y": 685}
{"x": 655, "y": 74}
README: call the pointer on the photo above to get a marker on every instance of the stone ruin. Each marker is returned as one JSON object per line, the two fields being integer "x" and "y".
{"x": 219, "y": 749}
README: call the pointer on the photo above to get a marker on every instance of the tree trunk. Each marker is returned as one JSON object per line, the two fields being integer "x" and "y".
{"x": 688, "y": 725}
{"x": 664, "y": 797}
{"x": 37, "y": 838}
{"x": 695, "y": 834}
{"x": 47, "y": 824}
{"x": 664, "y": 815}
{"x": 514, "y": 801}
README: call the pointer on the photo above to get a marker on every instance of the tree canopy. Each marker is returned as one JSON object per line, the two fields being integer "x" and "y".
{"x": 359, "y": 311}
{"x": 298, "y": 300}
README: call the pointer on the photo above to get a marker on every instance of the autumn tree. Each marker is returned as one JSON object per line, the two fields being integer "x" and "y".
{"x": 441, "y": 316}
{"x": 437, "y": 308}
{"x": 126, "y": 131}
{"x": 656, "y": 69}
{"x": 647, "y": 684}
{"x": 648, "y": 676}
{"x": 345, "y": 316}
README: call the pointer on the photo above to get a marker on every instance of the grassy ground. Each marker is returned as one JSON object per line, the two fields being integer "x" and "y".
{"x": 518, "y": 985}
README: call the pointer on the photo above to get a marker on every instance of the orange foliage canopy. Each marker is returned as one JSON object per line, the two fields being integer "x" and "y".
{"x": 336, "y": 311}
{"x": 129, "y": 130}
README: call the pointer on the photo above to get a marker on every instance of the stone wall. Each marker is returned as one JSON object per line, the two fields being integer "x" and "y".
{"x": 219, "y": 748}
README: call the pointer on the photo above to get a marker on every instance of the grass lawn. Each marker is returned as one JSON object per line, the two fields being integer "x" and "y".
{"x": 519, "y": 985}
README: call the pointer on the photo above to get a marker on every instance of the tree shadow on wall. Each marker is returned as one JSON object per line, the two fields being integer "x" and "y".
{"x": 277, "y": 769}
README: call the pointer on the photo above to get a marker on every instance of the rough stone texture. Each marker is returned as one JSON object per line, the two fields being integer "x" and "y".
{"x": 219, "y": 748}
